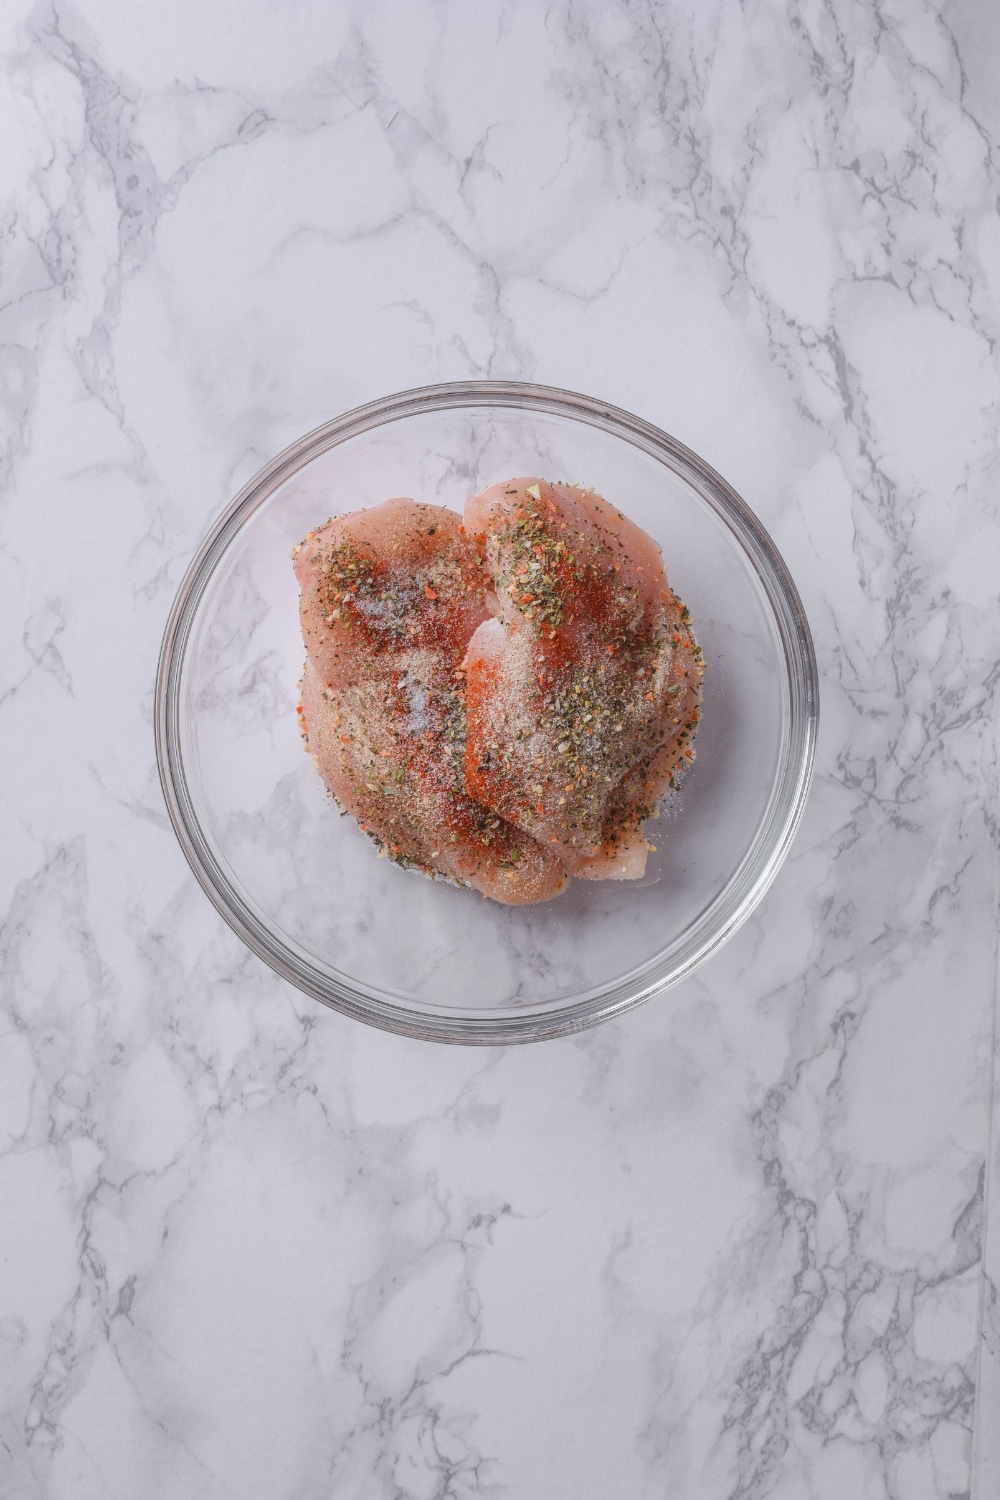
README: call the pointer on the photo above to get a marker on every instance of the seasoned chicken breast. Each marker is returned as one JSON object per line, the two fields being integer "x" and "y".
{"x": 389, "y": 600}
{"x": 583, "y": 688}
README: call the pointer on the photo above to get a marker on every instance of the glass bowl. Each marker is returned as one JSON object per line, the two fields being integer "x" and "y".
{"x": 305, "y": 888}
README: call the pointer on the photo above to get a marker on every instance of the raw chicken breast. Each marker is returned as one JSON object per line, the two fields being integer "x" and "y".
{"x": 583, "y": 688}
{"x": 389, "y": 600}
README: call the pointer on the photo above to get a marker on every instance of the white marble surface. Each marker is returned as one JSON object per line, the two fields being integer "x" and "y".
{"x": 732, "y": 1245}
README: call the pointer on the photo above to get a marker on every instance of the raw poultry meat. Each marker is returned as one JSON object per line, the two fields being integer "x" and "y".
{"x": 389, "y": 600}
{"x": 501, "y": 701}
{"x": 583, "y": 688}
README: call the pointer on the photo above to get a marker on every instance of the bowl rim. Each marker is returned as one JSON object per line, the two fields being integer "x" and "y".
{"x": 760, "y": 863}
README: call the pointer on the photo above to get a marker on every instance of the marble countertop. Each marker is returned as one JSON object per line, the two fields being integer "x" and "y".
{"x": 731, "y": 1245}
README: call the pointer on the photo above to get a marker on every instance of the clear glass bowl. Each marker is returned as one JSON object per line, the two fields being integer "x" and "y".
{"x": 303, "y": 886}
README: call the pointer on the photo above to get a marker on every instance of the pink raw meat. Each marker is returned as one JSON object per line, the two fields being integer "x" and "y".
{"x": 583, "y": 690}
{"x": 389, "y": 600}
